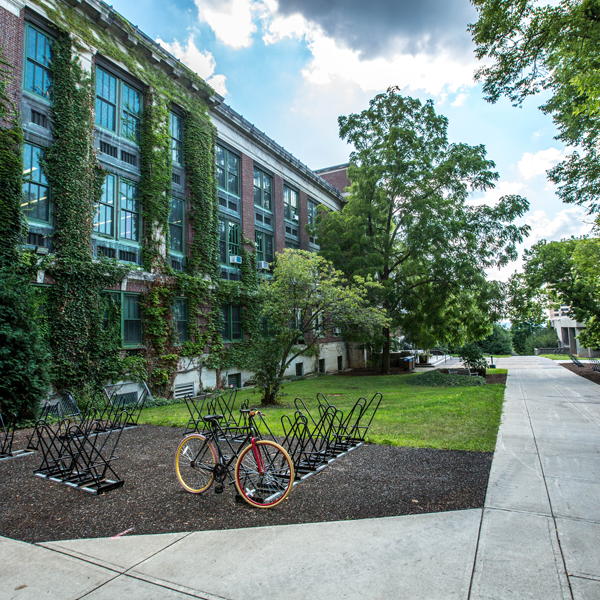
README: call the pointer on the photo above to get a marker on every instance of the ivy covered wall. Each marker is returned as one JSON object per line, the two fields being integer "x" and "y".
{"x": 83, "y": 325}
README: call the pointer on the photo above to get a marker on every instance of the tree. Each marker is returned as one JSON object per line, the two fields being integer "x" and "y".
{"x": 566, "y": 272}
{"x": 407, "y": 224}
{"x": 305, "y": 297}
{"x": 526, "y": 309}
{"x": 538, "y": 48}
{"x": 498, "y": 342}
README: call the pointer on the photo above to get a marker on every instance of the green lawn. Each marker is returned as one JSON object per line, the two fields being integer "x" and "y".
{"x": 452, "y": 418}
{"x": 563, "y": 357}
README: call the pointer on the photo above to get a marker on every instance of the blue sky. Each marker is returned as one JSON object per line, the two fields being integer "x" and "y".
{"x": 292, "y": 67}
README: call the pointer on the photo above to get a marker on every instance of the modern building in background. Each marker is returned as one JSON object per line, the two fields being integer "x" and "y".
{"x": 265, "y": 195}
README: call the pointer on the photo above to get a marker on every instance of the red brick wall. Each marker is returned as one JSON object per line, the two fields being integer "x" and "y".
{"x": 248, "y": 197}
{"x": 338, "y": 179}
{"x": 278, "y": 214}
{"x": 12, "y": 31}
{"x": 303, "y": 220}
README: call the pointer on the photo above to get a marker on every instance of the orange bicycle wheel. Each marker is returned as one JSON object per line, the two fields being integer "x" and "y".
{"x": 270, "y": 484}
{"x": 195, "y": 461}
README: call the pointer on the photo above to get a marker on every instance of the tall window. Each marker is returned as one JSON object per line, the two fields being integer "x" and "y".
{"x": 232, "y": 322}
{"x": 228, "y": 171}
{"x": 290, "y": 200}
{"x": 176, "y": 225}
{"x": 312, "y": 217}
{"x": 132, "y": 320}
{"x": 119, "y": 196}
{"x": 104, "y": 220}
{"x": 229, "y": 240}
{"x": 36, "y": 191}
{"x": 112, "y": 93}
{"x": 38, "y": 78}
{"x": 264, "y": 246}
{"x": 180, "y": 320}
{"x": 131, "y": 110}
{"x": 263, "y": 186}
{"x": 129, "y": 211}
{"x": 106, "y": 100}
{"x": 176, "y": 139}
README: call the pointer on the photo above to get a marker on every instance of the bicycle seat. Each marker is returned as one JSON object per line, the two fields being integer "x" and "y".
{"x": 213, "y": 418}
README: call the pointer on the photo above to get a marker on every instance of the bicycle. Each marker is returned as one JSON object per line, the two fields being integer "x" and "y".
{"x": 263, "y": 472}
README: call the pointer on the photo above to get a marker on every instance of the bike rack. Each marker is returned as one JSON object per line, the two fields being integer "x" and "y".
{"x": 80, "y": 455}
{"x": 7, "y": 435}
{"x": 116, "y": 403}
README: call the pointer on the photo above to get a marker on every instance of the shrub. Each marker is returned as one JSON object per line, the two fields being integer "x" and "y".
{"x": 437, "y": 379}
{"x": 546, "y": 338}
{"x": 472, "y": 357}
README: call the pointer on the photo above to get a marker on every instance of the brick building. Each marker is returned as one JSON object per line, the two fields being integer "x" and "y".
{"x": 264, "y": 193}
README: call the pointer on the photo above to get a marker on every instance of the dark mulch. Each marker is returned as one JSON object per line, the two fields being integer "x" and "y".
{"x": 371, "y": 481}
{"x": 585, "y": 371}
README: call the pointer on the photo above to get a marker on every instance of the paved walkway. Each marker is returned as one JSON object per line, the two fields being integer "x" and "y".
{"x": 538, "y": 536}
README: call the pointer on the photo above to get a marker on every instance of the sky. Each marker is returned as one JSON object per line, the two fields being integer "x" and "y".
{"x": 291, "y": 67}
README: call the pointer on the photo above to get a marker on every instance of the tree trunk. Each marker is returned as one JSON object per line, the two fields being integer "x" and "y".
{"x": 270, "y": 394}
{"x": 385, "y": 355}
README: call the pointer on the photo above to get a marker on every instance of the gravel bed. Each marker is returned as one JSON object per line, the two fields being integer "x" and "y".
{"x": 371, "y": 481}
{"x": 585, "y": 371}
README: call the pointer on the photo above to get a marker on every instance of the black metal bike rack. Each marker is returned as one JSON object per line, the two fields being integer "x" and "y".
{"x": 115, "y": 403}
{"x": 80, "y": 454}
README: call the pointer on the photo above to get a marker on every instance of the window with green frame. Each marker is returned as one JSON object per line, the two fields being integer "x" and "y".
{"x": 35, "y": 202}
{"x": 38, "y": 56}
{"x": 131, "y": 320}
{"x": 263, "y": 244}
{"x": 180, "y": 319}
{"x": 176, "y": 225}
{"x": 290, "y": 202}
{"x": 232, "y": 322}
{"x": 228, "y": 171}
{"x": 119, "y": 196}
{"x": 229, "y": 240}
{"x": 176, "y": 139}
{"x": 112, "y": 93}
{"x": 263, "y": 190}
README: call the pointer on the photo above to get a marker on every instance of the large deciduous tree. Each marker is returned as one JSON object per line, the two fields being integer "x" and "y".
{"x": 554, "y": 48}
{"x": 305, "y": 298}
{"x": 407, "y": 223}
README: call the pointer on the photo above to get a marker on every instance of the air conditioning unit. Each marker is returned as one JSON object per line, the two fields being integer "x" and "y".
{"x": 262, "y": 265}
{"x": 295, "y": 218}
{"x": 235, "y": 260}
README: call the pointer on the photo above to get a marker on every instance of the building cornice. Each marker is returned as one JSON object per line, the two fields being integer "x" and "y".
{"x": 13, "y": 6}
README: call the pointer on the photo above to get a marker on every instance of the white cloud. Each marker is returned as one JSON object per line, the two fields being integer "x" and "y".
{"x": 231, "y": 20}
{"x": 459, "y": 100}
{"x": 492, "y": 196}
{"x": 567, "y": 222}
{"x": 532, "y": 165}
{"x": 435, "y": 75}
{"x": 202, "y": 63}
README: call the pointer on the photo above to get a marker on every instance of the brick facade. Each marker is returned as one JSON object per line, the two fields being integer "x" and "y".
{"x": 12, "y": 32}
{"x": 338, "y": 179}
{"x": 247, "y": 175}
{"x": 303, "y": 219}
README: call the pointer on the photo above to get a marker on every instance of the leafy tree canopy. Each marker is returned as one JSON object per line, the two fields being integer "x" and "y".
{"x": 566, "y": 272}
{"x": 305, "y": 299}
{"x": 498, "y": 342}
{"x": 408, "y": 225}
{"x": 536, "y": 47}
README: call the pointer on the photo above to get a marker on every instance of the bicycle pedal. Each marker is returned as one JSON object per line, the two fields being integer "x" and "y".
{"x": 219, "y": 489}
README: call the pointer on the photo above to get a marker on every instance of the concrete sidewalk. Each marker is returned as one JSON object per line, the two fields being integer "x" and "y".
{"x": 538, "y": 536}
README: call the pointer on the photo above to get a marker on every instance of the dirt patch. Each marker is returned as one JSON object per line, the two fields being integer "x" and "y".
{"x": 397, "y": 371}
{"x": 585, "y": 371}
{"x": 371, "y": 481}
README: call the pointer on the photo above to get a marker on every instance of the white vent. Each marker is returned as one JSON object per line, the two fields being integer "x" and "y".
{"x": 262, "y": 265}
{"x": 236, "y": 260}
{"x": 184, "y": 389}
{"x": 294, "y": 217}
